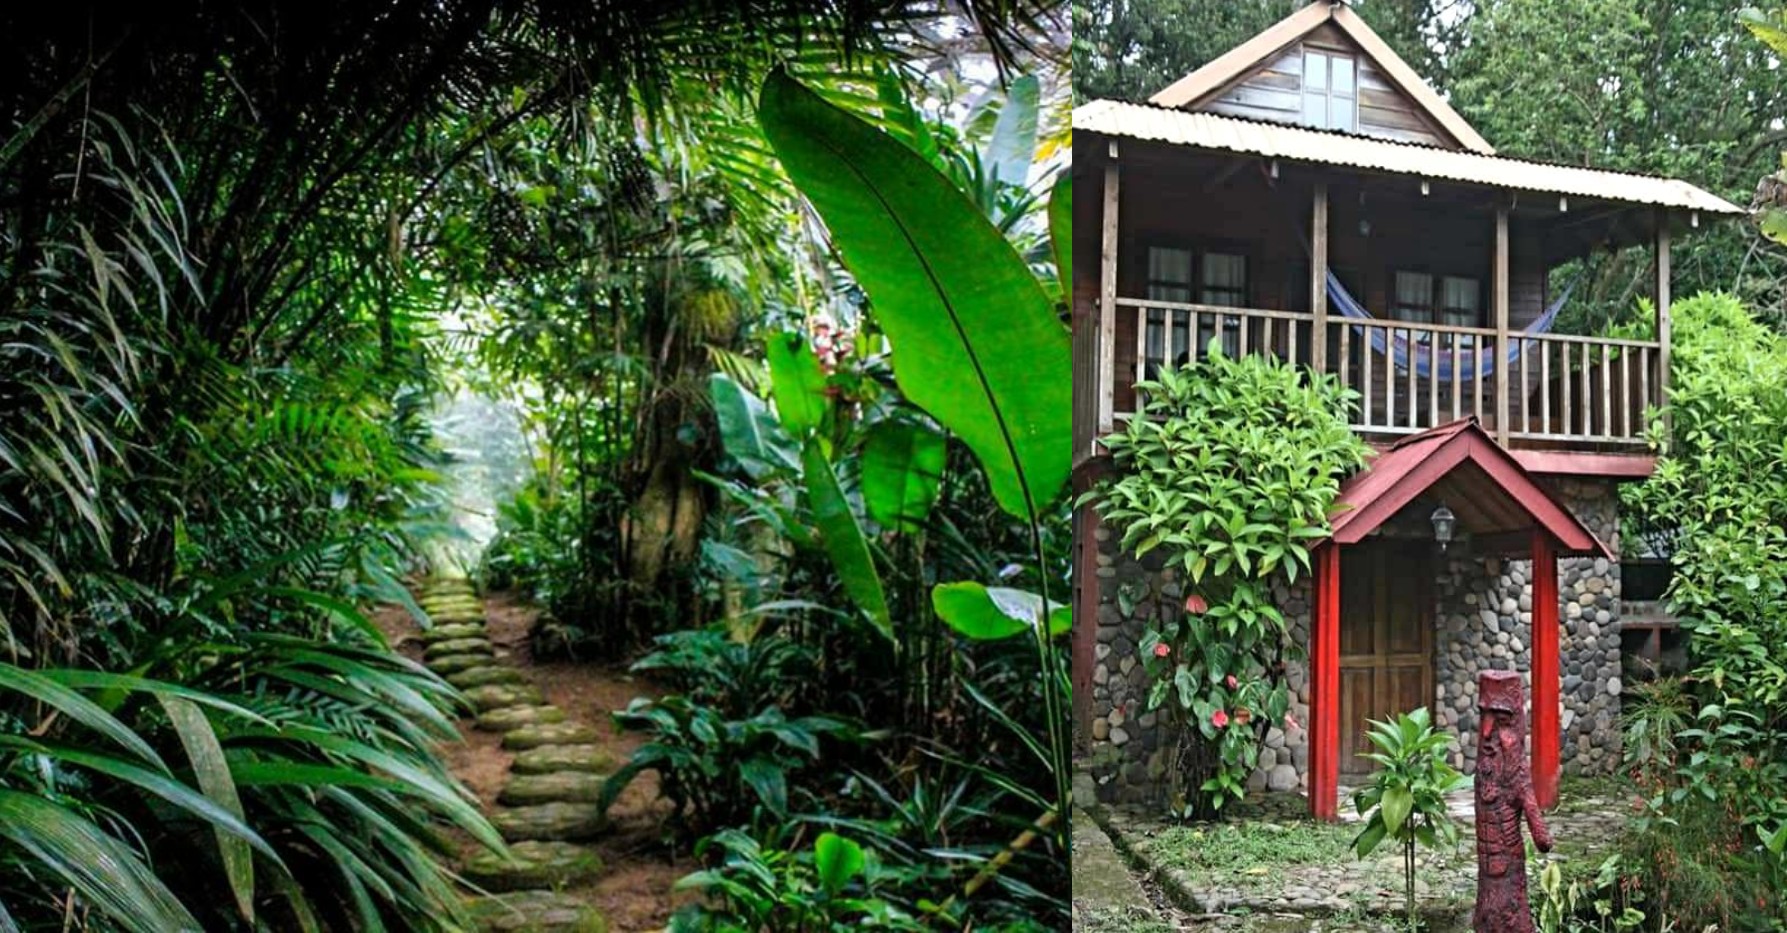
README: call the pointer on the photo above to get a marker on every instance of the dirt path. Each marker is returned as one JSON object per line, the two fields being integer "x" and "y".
{"x": 573, "y": 864}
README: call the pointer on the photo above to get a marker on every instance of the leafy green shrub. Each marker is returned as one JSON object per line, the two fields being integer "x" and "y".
{"x": 1582, "y": 905}
{"x": 1230, "y": 470}
{"x": 1405, "y": 800}
{"x": 293, "y": 781}
{"x": 755, "y": 887}
{"x": 724, "y": 750}
{"x": 1715, "y": 826}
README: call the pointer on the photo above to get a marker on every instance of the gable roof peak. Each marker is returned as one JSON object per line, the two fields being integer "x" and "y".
{"x": 1238, "y": 62}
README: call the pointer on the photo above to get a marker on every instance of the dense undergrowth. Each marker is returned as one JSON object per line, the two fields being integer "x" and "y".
{"x": 242, "y": 251}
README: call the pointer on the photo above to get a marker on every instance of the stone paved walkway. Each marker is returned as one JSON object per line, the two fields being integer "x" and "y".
{"x": 1302, "y": 869}
{"x": 547, "y": 810}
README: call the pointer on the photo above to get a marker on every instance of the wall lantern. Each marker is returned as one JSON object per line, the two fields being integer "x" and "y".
{"x": 1444, "y": 523}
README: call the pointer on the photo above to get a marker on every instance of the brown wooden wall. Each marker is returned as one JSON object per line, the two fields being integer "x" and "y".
{"x": 1274, "y": 92}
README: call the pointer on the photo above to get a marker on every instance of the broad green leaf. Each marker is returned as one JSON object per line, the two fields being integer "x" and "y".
{"x": 106, "y": 872}
{"x": 837, "y": 860}
{"x": 986, "y": 613}
{"x": 1061, "y": 231}
{"x": 902, "y": 469}
{"x": 843, "y": 537}
{"x": 1398, "y": 801}
{"x": 975, "y": 339}
{"x": 767, "y": 779}
{"x": 796, "y": 382}
{"x": 1368, "y": 839}
{"x": 1013, "y": 145}
{"x": 78, "y": 708}
{"x": 748, "y": 432}
{"x": 213, "y": 773}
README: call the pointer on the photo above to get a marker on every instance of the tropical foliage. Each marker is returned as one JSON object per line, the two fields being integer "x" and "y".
{"x": 1229, "y": 474}
{"x": 1405, "y": 801}
{"x": 242, "y": 253}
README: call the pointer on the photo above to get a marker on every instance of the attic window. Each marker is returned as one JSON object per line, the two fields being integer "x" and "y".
{"x": 1330, "y": 91}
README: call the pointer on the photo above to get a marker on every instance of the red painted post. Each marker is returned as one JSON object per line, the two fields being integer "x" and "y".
{"x": 1324, "y": 686}
{"x": 1546, "y": 675}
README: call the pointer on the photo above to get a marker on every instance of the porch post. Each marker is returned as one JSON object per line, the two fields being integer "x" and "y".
{"x": 1501, "y": 325}
{"x": 1107, "y": 302}
{"x": 1663, "y": 312}
{"x": 1318, "y": 279}
{"x": 1546, "y": 742}
{"x": 1324, "y": 686}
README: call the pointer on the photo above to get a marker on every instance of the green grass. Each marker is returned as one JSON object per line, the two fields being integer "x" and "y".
{"x": 1244, "y": 848}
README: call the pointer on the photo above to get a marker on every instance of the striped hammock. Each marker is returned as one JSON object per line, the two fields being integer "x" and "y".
{"x": 1472, "y": 361}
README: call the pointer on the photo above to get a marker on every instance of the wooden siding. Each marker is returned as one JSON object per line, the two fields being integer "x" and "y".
{"x": 1274, "y": 92}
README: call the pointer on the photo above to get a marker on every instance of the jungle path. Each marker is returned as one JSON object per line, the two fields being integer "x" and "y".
{"x": 535, "y": 753}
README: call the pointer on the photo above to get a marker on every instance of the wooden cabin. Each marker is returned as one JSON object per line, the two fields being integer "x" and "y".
{"x": 1309, "y": 197}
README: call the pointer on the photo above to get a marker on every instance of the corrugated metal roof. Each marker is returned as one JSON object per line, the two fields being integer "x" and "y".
{"x": 1302, "y": 144}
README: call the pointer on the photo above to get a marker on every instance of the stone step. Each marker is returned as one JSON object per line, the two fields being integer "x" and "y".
{"x": 534, "y": 864}
{"x": 510, "y": 718}
{"x": 537, "y": 912}
{"x": 554, "y": 733}
{"x": 485, "y": 676}
{"x": 565, "y": 822}
{"x": 450, "y": 632}
{"x": 454, "y": 663}
{"x": 546, "y": 759}
{"x": 441, "y": 649}
{"x": 457, "y": 617}
{"x": 525, "y": 790}
{"x": 499, "y": 696}
{"x": 443, "y": 603}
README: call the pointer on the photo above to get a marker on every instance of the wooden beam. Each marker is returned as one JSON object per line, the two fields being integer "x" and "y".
{"x": 1107, "y": 303}
{"x": 1663, "y": 312}
{"x": 1318, "y": 279}
{"x": 1547, "y": 678}
{"x": 1583, "y": 463}
{"x": 1501, "y": 326}
{"x": 1324, "y": 687}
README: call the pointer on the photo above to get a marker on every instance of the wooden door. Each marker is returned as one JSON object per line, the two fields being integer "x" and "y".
{"x": 1386, "y": 640}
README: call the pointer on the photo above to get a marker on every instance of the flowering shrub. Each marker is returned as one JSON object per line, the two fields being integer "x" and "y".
{"x": 1231, "y": 473}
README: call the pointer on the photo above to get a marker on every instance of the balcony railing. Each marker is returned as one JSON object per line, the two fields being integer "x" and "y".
{"x": 1561, "y": 389}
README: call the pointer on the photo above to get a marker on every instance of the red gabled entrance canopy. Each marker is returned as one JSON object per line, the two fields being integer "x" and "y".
{"x": 1507, "y": 512}
{"x": 1490, "y": 492}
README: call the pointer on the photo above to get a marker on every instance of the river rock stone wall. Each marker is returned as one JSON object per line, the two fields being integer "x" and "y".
{"x": 1483, "y": 616}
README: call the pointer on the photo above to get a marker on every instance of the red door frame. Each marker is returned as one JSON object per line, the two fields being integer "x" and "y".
{"x": 1547, "y": 678}
{"x": 1324, "y": 684}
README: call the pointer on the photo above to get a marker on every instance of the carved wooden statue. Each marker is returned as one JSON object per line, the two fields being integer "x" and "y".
{"x": 1504, "y": 799}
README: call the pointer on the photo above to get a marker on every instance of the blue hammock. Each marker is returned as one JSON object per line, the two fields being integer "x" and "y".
{"x": 1471, "y": 362}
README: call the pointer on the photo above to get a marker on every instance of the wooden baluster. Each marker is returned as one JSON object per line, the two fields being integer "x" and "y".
{"x": 1477, "y": 378}
{"x": 1526, "y": 415}
{"x": 1290, "y": 352}
{"x": 1191, "y": 335}
{"x": 1625, "y": 391}
{"x": 1606, "y": 391}
{"x": 1387, "y": 385}
{"x": 1141, "y": 347}
{"x": 1644, "y": 378}
{"x": 1433, "y": 381}
{"x": 1346, "y": 355}
{"x": 1266, "y": 346}
{"x": 1366, "y": 353}
{"x": 1545, "y": 419}
{"x": 1413, "y": 397}
{"x": 1457, "y": 374}
{"x": 1241, "y": 336}
{"x": 1564, "y": 384}
{"x": 1587, "y": 398}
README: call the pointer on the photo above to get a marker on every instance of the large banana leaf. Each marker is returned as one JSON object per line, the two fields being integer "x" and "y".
{"x": 902, "y": 470}
{"x": 843, "y": 537}
{"x": 1061, "y": 232}
{"x": 797, "y": 382}
{"x": 1013, "y": 145}
{"x": 975, "y": 339}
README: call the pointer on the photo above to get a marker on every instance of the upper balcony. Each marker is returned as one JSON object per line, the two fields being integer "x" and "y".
{"x": 1426, "y": 280}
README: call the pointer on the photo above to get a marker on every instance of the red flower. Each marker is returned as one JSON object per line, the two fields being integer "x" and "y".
{"x": 1161, "y": 650}
{"x": 1230, "y": 680}
{"x": 1195, "y": 604}
{"x": 1243, "y": 716}
{"x": 1290, "y": 721}
{"x": 1219, "y": 719}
